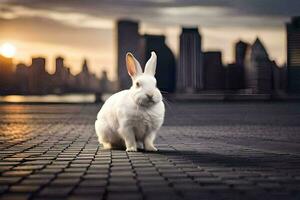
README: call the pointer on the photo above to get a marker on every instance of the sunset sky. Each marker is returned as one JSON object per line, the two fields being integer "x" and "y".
{"x": 78, "y": 29}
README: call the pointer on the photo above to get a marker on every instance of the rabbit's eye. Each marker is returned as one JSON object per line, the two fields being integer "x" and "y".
{"x": 137, "y": 84}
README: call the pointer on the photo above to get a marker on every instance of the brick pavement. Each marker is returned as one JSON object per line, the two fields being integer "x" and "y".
{"x": 206, "y": 151}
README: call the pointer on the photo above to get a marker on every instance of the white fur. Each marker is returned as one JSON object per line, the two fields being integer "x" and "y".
{"x": 129, "y": 117}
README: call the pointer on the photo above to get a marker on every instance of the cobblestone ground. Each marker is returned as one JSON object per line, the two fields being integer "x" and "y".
{"x": 206, "y": 151}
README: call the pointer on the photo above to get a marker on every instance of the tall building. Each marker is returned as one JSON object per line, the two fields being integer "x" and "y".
{"x": 240, "y": 52}
{"x": 293, "y": 55}
{"x": 6, "y": 75}
{"x": 86, "y": 81}
{"x": 60, "y": 77}
{"x": 22, "y": 78}
{"x": 38, "y": 77}
{"x": 85, "y": 67}
{"x": 83, "y": 77}
{"x": 190, "y": 68}
{"x": 60, "y": 69}
{"x": 105, "y": 83}
{"x": 279, "y": 77}
{"x": 234, "y": 77}
{"x": 235, "y": 71}
{"x": 128, "y": 40}
{"x": 214, "y": 72}
{"x": 258, "y": 69}
{"x": 166, "y": 65}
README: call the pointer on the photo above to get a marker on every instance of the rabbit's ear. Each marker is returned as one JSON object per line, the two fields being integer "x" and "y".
{"x": 151, "y": 64}
{"x": 133, "y": 66}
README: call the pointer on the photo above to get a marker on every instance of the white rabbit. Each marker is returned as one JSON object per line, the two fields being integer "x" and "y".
{"x": 133, "y": 116}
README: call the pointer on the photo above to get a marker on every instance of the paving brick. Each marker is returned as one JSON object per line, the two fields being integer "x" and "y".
{"x": 127, "y": 196}
{"x": 129, "y": 188}
{"x": 65, "y": 182}
{"x": 35, "y": 181}
{"x": 11, "y": 196}
{"x": 55, "y": 191}
{"x": 93, "y": 183}
{"x": 84, "y": 197}
{"x": 24, "y": 188}
{"x": 16, "y": 173}
{"x": 28, "y": 167}
{"x": 89, "y": 190}
{"x": 9, "y": 180}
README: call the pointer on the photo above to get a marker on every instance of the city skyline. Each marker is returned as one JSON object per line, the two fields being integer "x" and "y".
{"x": 48, "y": 30}
{"x": 252, "y": 72}
{"x": 50, "y": 64}
{"x": 33, "y": 79}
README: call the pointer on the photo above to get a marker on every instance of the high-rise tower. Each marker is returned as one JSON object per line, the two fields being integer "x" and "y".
{"x": 128, "y": 40}
{"x": 190, "y": 68}
{"x": 258, "y": 69}
{"x": 293, "y": 55}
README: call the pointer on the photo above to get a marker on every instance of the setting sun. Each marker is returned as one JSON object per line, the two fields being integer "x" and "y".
{"x": 7, "y": 50}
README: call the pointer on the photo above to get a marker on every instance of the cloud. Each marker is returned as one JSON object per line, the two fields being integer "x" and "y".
{"x": 42, "y": 29}
{"x": 68, "y": 18}
{"x": 95, "y": 13}
{"x": 216, "y": 17}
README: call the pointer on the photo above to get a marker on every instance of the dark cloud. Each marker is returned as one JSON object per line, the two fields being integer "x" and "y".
{"x": 285, "y": 8}
{"x": 277, "y": 8}
{"x": 213, "y": 13}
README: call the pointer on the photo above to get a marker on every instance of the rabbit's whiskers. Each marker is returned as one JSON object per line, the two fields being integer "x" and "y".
{"x": 167, "y": 104}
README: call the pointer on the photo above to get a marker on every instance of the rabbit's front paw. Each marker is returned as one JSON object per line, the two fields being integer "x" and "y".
{"x": 131, "y": 149}
{"x": 150, "y": 148}
{"x": 107, "y": 146}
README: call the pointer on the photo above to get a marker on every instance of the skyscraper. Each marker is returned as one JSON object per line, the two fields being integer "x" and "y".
{"x": 60, "y": 76}
{"x": 234, "y": 76}
{"x": 166, "y": 66}
{"x": 86, "y": 81}
{"x": 22, "y": 75}
{"x": 258, "y": 69}
{"x": 60, "y": 69}
{"x": 240, "y": 52}
{"x": 83, "y": 82}
{"x": 235, "y": 71}
{"x": 38, "y": 77}
{"x": 85, "y": 68}
{"x": 190, "y": 68}
{"x": 214, "y": 72}
{"x": 128, "y": 40}
{"x": 279, "y": 77}
{"x": 293, "y": 55}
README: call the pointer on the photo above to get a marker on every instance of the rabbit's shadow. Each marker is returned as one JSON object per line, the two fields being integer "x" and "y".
{"x": 209, "y": 158}
{"x": 206, "y": 158}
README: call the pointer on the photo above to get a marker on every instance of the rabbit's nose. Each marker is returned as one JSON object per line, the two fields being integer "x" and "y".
{"x": 150, "y": 96}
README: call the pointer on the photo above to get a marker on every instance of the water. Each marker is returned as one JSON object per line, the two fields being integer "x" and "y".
{"x": 65, "y": 98}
